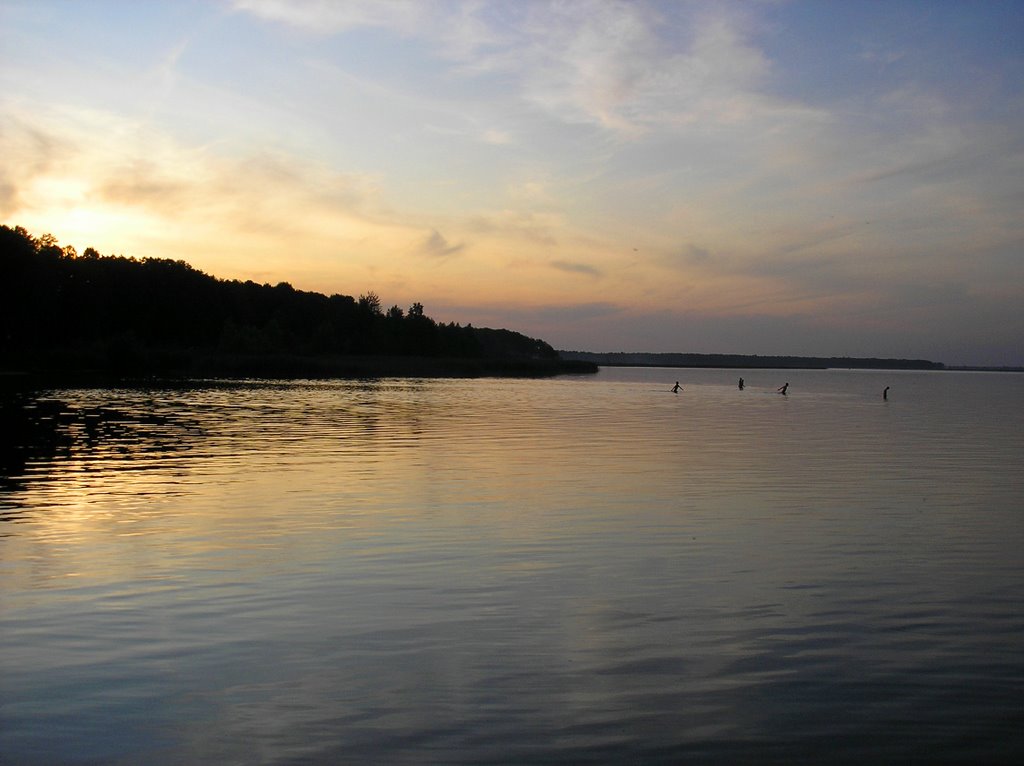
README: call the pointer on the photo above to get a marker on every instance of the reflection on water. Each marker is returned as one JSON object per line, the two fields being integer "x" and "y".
{"x": 473, "y": 571}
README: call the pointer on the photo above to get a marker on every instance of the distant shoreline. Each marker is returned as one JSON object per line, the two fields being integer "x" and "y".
{"x": 982, "y": 368}
{"x": 746, "y": 361}
{"x": 758, "y": 362}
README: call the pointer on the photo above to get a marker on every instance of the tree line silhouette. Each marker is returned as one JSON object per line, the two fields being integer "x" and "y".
{"x": 639, "y": 359}
{"x": 65, "y": 311}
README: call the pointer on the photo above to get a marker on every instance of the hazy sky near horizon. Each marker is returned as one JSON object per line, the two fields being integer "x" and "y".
{"x": 824, "y": 178}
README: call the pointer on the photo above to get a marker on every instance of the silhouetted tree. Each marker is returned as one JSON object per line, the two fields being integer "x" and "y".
{"x": 370, "y": 302}
{"x": 64, "y": 310}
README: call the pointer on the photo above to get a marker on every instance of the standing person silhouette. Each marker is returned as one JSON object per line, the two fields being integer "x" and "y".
{"x": 675, "y": 388}
{"x": 885, "y": 393}
{"x": 741, "y": 384}
{"x": 782, "y": 389}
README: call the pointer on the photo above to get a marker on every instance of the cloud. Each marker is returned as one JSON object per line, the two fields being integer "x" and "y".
{"x": 587, "y": 60}
{"x": 536, "y": 320}
{"x": 30, "y": 152}
{"x": 614, "y": 64}
{"x": 113, "y": 184}
{"x": 536, "y": 228}
{"x": 142, "y": 184}
{"x": 872, "y": 53}
{"x": 576, "y": 312}
{"x": 436, "y": 246}
{"x": 496, "y": 137}
{"x": 692, "y": 254}
{"x": 328, "y": 17}
{"x": 577, "y": 268}
{"x": 594, "y": 61}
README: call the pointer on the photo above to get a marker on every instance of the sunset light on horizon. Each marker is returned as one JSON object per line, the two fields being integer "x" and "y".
{"x": 800, "y": 178}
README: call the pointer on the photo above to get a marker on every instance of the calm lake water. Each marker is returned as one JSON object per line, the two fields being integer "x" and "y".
{"x": 576, "y": 570}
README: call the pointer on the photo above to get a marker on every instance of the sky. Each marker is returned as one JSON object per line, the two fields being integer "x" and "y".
{"x": 805, "y": 178}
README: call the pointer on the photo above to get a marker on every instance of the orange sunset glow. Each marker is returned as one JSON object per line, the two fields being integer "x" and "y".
{"x": 704, "y": 177}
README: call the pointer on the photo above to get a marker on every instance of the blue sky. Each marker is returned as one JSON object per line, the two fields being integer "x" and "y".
{"x": 824, "y": 178}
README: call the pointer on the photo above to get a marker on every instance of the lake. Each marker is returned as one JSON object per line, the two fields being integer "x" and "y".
{"x": 472, "y": 571}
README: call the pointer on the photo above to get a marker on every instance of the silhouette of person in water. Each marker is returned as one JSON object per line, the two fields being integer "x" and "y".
{"x": 885, "y": 393}
{"x": 741, "y": 384}
{"x": 783, "y": 389}
{"x": 675, "y": 388}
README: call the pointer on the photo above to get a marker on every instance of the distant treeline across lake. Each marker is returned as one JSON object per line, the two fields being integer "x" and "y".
{"x": 64, "y": 313}
{"x": 626, "y": 359}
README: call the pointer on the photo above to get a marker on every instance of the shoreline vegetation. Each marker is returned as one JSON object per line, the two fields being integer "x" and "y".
{"x": 93, "y": 318}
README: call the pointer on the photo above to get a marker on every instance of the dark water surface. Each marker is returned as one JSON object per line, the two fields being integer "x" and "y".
{"x": 579, "y": 570}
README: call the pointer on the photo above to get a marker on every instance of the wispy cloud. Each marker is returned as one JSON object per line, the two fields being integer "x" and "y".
{"x": 595, "y": 61}
{"x": 577, "y": 268}
{"x": 437, "y": 246}
{"x": 326, "y": 17}
{"x": 535, "y": 228}
{"x": 496, "y": 137}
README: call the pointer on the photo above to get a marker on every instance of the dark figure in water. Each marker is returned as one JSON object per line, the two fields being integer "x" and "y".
{"x": 885, "y": 393}
{"x": 675, "y": 388}
{"x": 783, "y": 389}
{"x": 741, "y": 384}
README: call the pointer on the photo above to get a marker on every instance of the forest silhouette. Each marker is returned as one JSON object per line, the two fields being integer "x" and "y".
{"x": 65, "y": 313}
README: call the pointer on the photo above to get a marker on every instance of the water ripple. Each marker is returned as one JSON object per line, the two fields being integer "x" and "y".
{"x": 492, "y": 571}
